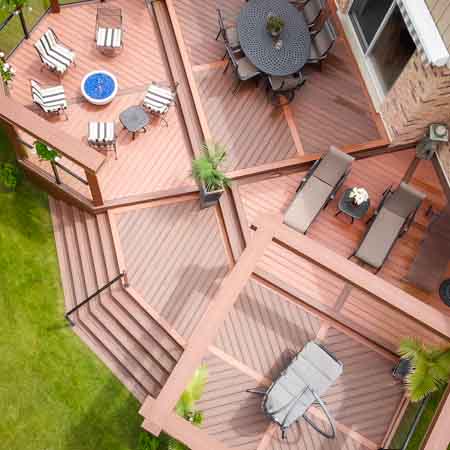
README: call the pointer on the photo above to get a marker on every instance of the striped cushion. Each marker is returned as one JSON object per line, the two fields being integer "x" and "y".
{"x": 49, "y": 60}
{"x": 101, "y": 132}
{"x": 49, "y": 99}
{"x": 158, "y": 99}
{"x": 109, "y": 37}
{"x": 63, "y": 53}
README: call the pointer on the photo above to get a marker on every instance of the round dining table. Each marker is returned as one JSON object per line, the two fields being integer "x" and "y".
{"x": 265, "y": 52}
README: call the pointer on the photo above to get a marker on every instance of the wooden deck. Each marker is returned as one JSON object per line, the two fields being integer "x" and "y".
{"x": 332, "y": 108}
{"x": 375, "y": 174}
{"x": 203, "y": 286}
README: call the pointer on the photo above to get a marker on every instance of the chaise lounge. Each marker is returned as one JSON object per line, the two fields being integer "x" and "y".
{"x": 309, "y": 375}
{"x": 391, "y": 220}
{"x": 318, "y": 188}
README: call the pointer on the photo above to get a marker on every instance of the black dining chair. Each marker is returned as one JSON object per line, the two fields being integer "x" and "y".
{"x": 285, "y": 87}
{"x": 312, "y": 11}
{"x": 229, "y": 34}
{"x": 243, "y": 69}
{"x": 322, "y": 41}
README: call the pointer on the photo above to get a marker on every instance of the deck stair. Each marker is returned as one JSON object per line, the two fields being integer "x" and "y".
{"x": 123, "y": 334}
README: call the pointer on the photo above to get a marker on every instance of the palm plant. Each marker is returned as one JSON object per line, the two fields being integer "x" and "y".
{"x": 430, "y": 367}
{"x": 205, "y": 169}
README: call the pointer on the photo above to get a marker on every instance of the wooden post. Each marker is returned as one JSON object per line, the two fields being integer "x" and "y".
{"x": 55, "y": 6}
{"x": 97, "y": 197}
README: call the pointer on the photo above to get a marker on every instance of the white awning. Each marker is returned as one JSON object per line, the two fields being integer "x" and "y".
{"x": 424, "y": 32}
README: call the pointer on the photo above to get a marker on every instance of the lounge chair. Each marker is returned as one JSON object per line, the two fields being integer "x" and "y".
{"x": 108, "y": 29}
{"x": 51, "y": 100}
{"x": 318, "y": 188}
{"x": 159, "y": 99}
{"x": 54, "y": 55}
{"x": 308, "y": 376}
{"x": 391, "y": 220}
{"x": 102, "y": 134}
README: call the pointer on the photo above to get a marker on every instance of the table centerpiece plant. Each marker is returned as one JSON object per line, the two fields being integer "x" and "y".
{"x": 205, "y": 169}
{"x": 359, "y": 196}
{"x": 274, "y": 25}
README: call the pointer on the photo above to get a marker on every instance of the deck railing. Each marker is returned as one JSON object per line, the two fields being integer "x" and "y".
{"x": 95, "y": 294}
{"x": 413, "y": 427}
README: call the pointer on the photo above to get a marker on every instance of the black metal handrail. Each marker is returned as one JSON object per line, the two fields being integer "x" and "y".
{"x": 97, "y": 292}
{"x": 414, "y": 424}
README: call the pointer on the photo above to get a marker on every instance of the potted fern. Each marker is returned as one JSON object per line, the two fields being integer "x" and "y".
{"x": 429, "y": 367}
{"x": 206, "y": 171}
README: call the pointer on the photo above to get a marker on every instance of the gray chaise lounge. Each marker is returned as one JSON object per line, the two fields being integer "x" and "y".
{"x": 309, "y": 375}
{"x": 390, "y": 221}
{"x": 318, "y": 188}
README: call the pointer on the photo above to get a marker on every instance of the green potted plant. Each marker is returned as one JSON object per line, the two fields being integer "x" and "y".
{"x": 9, "y": 175}
{"x": 274, "y": 25}
{"x": 205, "y": 170}
{"x": 429, "y": 367}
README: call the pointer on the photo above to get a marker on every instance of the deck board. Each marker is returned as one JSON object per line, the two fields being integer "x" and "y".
{"x": 375, "y": 174}
{"x": 157, "y": 160}
{"x": 175, "y": 258}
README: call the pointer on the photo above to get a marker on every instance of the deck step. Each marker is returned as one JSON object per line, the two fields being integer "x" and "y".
{"x": 114, "y": 325}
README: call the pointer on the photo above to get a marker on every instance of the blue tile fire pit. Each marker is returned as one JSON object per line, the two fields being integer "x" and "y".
{"x": 99, "y": 87}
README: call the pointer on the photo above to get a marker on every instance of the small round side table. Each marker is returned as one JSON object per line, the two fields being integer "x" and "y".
{"x": 348, "y": 207}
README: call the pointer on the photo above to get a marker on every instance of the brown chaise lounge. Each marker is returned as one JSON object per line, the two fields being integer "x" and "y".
{"x": 390, "y": 221}
{"x": 318, "y": 188}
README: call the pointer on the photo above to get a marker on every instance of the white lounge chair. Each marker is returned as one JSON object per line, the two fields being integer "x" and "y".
{"x": 52, "y": 100}
{"x": 309, "y": 375}
{"x": 108, "y": 29}
{"x": 54, "y": 55}
{"x": 158, "y": 100}
{"x": 102, "y": 134}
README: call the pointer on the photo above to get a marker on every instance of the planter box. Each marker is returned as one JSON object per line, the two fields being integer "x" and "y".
{"x": 207, "y": 198}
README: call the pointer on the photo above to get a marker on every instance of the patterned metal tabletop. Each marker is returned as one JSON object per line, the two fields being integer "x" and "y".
{"x": 260, "y": 47}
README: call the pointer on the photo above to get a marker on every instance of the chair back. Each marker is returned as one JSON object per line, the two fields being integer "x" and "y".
{"x": 109, "y": 18}
{"x": 404, "y": 201}
{"x": 221, "y": 25}
{"x": 36, "y": 93}
{"x": 231, "y": 56}
{"x": 312, "y": 10}
{"x": 325, "y": 38}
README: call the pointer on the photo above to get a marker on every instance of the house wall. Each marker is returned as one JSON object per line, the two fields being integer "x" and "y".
{"x": 420, "y": 95}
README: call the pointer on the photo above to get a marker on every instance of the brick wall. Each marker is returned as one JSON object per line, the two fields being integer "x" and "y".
{"x": 419, "y": 96}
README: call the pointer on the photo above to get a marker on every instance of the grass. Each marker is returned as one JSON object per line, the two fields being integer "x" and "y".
{"x": 423, "y": 425}
{"x": 55, "y": 393}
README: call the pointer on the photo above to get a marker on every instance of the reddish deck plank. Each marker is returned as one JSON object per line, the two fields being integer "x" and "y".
{"x": 175, "y": 258}
{"x": 375, "y": 174}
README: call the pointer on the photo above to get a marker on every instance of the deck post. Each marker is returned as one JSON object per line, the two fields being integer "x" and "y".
{"x": 55, "y": 6}
{"x": 94, "y": 186}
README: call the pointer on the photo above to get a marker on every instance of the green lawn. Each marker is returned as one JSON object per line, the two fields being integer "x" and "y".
{"x": 54, "y": 393}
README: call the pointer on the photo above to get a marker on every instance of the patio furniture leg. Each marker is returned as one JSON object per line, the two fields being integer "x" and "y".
{"x": 218, "y": 34}
{"x": 238, "y": 86}
{"x": 226, "y": 67}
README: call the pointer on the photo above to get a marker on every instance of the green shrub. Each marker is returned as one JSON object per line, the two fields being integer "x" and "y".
{"x": 149, "y": 442}
{"x": 9, "y": 175}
